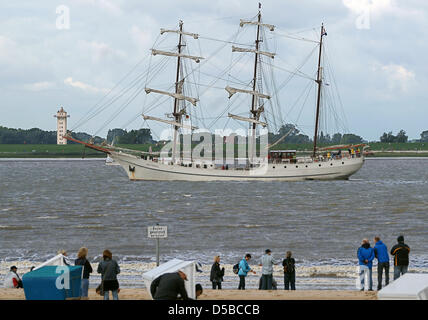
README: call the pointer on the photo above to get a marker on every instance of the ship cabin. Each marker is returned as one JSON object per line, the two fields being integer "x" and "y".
{"x": 282, "y": 156}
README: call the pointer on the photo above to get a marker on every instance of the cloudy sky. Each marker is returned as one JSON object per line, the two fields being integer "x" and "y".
{"x": 377, "y": 48}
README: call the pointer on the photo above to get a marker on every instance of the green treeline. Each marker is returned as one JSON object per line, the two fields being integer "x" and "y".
{"x": 287, "y": 134}
{"x": 294, "y": 136}
{"x": 120, "y": 136}
{"x": 30, "y": 136}
{"x": 37, "y": 136}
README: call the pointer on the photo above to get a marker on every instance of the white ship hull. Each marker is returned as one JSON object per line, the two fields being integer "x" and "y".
{"x": 141, "y": 169}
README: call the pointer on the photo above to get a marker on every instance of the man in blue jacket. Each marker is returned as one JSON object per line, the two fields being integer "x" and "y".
{"x": 382, "y": 256}
{"x": 244, "y": 268}
{"x": 365, "y": 258}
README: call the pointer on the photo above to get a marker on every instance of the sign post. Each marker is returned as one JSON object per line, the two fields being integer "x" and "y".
{"x": 157, "y": 232}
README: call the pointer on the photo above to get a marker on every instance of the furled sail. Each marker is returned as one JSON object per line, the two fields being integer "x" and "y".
{"x": 268, "y": 54}
{"x": 194, "y": 35}
{"x": 270, "y": 26}
{"x": 174, "y": 123}
{"x": 232, "y": 91}
{"x": 173, "y": 54}
{"x": 178, "y": 96}
{"x": 264, "y": 124}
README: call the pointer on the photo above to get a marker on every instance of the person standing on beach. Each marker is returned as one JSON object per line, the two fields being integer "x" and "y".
{"x": 109, "y": 270}
{"x": 64, "y": 259}
{"x": 87, "y": 269}
{"x": 216, "y": 276}
{"x": 366, "y": 255}
{"x": 289, "y": 272}
{"x": 267, "y": 263}
{"x": 401, "y": 257}
{"x": 244, "y": 268}
{"x": 169, "y": 286}
{"x": 381, "y": 254}
{"x": 12, "y": 279}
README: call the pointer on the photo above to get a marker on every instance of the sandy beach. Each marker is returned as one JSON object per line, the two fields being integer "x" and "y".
{"x": 142, "y": 294}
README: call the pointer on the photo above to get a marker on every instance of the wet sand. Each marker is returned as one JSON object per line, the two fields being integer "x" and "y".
{"x": 142, "y": 294}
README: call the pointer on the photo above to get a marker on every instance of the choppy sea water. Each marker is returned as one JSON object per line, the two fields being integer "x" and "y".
{"x": 47, "y": 205}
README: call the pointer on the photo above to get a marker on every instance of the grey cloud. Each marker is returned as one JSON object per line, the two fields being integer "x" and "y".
{"x": 107, "y": 38}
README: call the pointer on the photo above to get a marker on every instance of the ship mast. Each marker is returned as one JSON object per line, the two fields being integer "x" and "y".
{"x": 254, "y": 100}
{"x": 178, "y": 94}
{"x": 176, "y": 114}
{"x": 255, "y": 111}
{"x": 319, "y": 82}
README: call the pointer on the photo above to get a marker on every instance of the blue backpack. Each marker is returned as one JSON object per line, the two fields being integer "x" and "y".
{"x": 235, "y": 268}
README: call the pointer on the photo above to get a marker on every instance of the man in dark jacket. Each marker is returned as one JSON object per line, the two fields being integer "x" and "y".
{"x": 217, "y": 274}
{"x": 168, "y": 286}
{"x": 381, "y": 254}
{"x": 289, "y": 271}
{"x": 401, "y": 257}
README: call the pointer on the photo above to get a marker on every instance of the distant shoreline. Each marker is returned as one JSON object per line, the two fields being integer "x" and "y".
{"x": 54, "y": 159}
{"x": 30, "y": 157}
{"x": 45, "y": 151}
{"x": 50, "y": 157}
{"x": 401, "y": 157}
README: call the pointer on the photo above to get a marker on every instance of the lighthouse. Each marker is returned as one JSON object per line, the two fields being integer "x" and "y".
{"x": 61, "y": 124}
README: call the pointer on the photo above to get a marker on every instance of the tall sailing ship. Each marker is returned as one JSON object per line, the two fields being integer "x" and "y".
{"x": 336, "y": 162}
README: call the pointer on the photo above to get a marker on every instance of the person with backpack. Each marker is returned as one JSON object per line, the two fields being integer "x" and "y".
{"x": 289, "y": 272}
{"x": 87, "y": 269}
{"x": 401, "y": 257}
{"x": 243, "y": 270}
{"x": 381, "y": 254}
{"x": 216, "y": 276}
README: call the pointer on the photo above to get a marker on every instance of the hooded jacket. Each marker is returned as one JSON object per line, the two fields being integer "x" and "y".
{"x": 401, "y": 252}
{"x": 244, "y": 268}
{"x": 365, "y": 252}
{"x": 381, "y": 252}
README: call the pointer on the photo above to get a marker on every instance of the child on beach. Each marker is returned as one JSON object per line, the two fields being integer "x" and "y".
{"x": 64, "y": 253}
